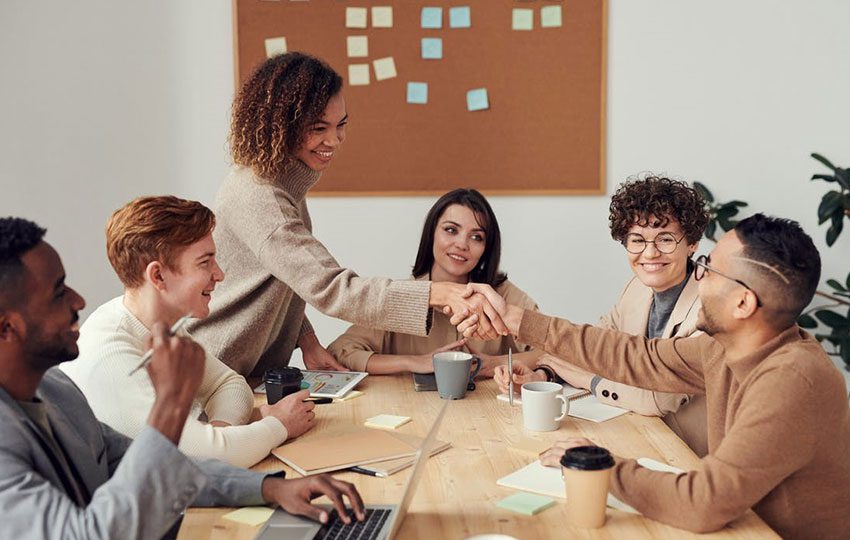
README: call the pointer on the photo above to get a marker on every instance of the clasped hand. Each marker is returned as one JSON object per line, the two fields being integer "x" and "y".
{"x": 476, "y": 310}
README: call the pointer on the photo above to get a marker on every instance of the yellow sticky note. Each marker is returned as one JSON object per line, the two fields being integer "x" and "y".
{"x": 523, "y": 19}
{"x": 382, "y": 17}
{"x": 252, "y": 515}
{"x": 353, "y": 393}
{"x": 355, "y": 17}
{"x": 358, "y": 46}
{"x": 386, "y": 421}
{"x": 358, "y": 74}
{"x": 550, "y": 17}
{"x": 275, "y": 46}
{"x": 384, "y": 68}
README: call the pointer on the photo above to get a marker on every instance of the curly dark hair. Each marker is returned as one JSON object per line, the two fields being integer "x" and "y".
{"x": 17, "y": 237}
{"x": 274, "y": 109}
{"x": 636, "y": 200}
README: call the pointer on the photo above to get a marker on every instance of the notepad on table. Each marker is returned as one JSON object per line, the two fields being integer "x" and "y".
{"x": 331, "y": 452}
{"x": 251, "y": 515}
{"x": 526, "y": 503}
{"x": 382, "y": 469}
{"x": 386, "y": 421}
{"x": 590, "y": 408}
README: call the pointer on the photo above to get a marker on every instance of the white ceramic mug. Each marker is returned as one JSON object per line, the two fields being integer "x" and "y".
{"x": 540, "y": 408}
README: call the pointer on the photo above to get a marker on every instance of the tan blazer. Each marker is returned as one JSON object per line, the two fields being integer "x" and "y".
{"x": 354, "y": 348}
{"x": 686, "y": 415}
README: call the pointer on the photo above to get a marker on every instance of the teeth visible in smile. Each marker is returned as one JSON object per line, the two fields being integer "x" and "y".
{"x": 457, "y": 257}
{"x": 325, "y": 154}
{"x": 652, "y": 267}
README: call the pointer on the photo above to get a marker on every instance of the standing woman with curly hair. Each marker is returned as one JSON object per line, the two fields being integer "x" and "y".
{"x": 659, "y": 222}
{"x": 288, "y": 121}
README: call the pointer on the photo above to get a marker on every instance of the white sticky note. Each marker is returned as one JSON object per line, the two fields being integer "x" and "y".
{"x": 382, "y": 17}
{"x": 417, "y": 92}
{"x": 355, "y": 17}
{"x": 358, "y": 46}
{"x": 550, "y": 17}
{"x": 386, "y": 421}
{"x": 432, "y": 17}
{"x": 275, "y": 46}
{"x": 460, "y": 17}
{"x": 384, "y": 68}
{"x": 358, "y": 74}
{"x": 432, "y": 48}
{"x": 523, "y": 19}
{"x": 477, "y": 100}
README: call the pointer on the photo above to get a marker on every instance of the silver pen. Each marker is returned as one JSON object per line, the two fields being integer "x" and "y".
{"x": 173, "y": 331}
{"x": 510, "y": 377}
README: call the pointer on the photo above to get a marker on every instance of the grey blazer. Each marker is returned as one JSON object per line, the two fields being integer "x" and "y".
{"x": 136, "y": 488}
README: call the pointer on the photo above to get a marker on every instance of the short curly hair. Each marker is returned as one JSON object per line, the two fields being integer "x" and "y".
{"x": 638, "y": 199}
{"x": 275, "y": 108}
{"x": 17, "y": 237}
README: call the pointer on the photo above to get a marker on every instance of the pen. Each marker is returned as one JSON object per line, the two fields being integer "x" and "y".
{"x": 361, "y": 470}
{"x": 319, "y": 400}
{"x": 174, "y": 329}
{"x": 510, "y": 376}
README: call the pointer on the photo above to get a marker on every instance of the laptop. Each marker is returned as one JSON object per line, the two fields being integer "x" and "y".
{"x": 382, "y": 521}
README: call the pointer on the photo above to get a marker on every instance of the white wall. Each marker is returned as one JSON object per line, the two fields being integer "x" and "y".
{"x": 101, "y": 101}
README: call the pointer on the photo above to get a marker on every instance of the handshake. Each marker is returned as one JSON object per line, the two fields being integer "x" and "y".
{"x": 476, "y": 309}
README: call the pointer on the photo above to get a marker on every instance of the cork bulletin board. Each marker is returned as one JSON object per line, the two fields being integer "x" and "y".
{"x": 542, "y": 131}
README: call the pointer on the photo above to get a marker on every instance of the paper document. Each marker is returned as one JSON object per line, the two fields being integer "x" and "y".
{"x": 590, "y": 408}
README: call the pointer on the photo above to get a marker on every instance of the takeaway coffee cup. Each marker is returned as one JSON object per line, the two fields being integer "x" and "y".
{"x": 281, "y": 382}
{"x": 586, "y": 471}
{"x": 543, "y": 405}
{"x": 453, "y": 372}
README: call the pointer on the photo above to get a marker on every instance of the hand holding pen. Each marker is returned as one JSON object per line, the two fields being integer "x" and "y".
{"x": 172, "y": 332}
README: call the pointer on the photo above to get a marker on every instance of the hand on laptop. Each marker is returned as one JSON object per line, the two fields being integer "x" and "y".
{"x": 295, "y": 495}
{"x": 294, "y": 413}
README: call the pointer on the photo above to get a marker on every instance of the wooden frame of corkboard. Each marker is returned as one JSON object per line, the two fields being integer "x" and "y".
{"x": 543, "y": 134}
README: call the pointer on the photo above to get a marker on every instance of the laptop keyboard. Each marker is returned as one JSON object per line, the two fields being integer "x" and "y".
{"x": 368, "y": 529}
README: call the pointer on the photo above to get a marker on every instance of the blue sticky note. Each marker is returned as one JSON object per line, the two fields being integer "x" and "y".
{"x": 432, "y": 48}
{"x": 460, "y": 17}
{"x": 476, "y": 100}
{"x": 417, "y": 92}
{"x": 432, "y": 17}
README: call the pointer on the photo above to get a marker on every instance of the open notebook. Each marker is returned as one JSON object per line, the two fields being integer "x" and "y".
{"x": 537, "y": 478}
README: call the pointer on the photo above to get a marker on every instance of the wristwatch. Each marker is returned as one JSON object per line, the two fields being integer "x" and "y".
{"x": 551, "y": 376}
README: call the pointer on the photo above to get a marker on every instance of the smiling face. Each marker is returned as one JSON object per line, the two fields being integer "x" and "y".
{"x": 324, "y": 137}
{"x": 52, "y": 310}
{"x": 189, "y": 284}
{"x": 657, "y": 270}
{"x": 459, "y": 242}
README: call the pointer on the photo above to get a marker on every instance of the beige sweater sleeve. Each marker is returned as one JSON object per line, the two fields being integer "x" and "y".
{"x": 639, "y": 400}
{"x": 293, "y": 255}
{"x": 355, "y": 347}
{"x": 224, "y": 394}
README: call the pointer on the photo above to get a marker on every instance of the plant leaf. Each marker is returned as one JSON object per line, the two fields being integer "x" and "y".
{"x": 843, "y": 177}
{"x": 711, "y": 228}
{"x": 824, "y": 177}
{"x": 835, "y": 229}
{"x": 835, "y": 285}
{"x": 739, "y": 204}
{"x": 848, "y": 281}
{"x": 832, "y": 319}
{"x": 824, "y": 161}
{"x": 703, "y": 191}
{"x": 831, "y": 201}
{"x": 807, "y": 321}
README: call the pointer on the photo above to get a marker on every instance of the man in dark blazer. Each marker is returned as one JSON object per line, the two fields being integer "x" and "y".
{"x": 63, "y": 474}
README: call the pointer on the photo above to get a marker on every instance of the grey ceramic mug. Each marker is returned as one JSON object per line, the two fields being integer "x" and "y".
{"x": 453, "y": 372}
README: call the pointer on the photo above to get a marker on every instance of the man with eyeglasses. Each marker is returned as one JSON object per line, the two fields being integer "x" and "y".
{"x": 778, "y": 415}
{"x": 659, "y": 221}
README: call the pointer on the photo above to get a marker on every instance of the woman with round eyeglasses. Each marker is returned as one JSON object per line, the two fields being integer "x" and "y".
{"x": 659, "y": 222}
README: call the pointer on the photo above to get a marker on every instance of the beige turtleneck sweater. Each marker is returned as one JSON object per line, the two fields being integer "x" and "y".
{"x": 273, "y": 265}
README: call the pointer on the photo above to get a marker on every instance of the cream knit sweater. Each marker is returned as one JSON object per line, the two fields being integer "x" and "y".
{"x": 112, "y": 342}
{"x": 273, "y": 265}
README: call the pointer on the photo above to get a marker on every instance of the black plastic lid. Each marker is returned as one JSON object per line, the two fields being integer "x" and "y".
{"x": 587, "y": 458}
{"x": 283, "y": 375}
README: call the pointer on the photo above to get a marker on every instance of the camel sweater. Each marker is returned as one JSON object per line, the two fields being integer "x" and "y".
{"x": 112, "y": 343}
{"x": 273, "y": 265}
{"x": 778, "y": 426}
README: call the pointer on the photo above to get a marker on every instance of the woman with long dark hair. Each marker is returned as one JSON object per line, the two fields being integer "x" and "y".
{"x": 460, "y": 243}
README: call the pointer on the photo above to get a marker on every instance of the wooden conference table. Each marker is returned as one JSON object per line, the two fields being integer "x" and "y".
{"x": 457, "y": 494}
